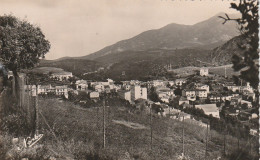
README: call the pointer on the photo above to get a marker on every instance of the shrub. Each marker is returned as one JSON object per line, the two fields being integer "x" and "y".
{"x": 15, "y": 124}
{"x": 241, "y": 155}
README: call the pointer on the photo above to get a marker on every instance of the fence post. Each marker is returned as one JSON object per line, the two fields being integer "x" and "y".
{"x": 206, "y": 152}
{"x": 36, "y": 112}
{"x": 183, "y": 135}
{"x": 151, "y": 126}
{"x": 104, "y": 125}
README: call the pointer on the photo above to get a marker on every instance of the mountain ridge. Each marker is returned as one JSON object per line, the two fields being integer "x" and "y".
{"x": 174, "y": 36}
{"x": 171, "y": 44}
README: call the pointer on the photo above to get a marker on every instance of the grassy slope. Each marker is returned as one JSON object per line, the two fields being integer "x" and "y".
{"x": 85, "y": 125}
{"x": 46, "y": 70}
{"x": 77, "y": 66}
{"x": 220, "y": 70}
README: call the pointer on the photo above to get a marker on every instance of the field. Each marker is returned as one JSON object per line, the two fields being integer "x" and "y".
{"x": 219, "y": 70}
{"x": 47, "y": 70}
{"x": 186, "y": 71}
{"x": 128, "y": 132}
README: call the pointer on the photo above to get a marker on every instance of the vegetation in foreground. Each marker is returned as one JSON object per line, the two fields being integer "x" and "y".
{"x": 73, "y": 132}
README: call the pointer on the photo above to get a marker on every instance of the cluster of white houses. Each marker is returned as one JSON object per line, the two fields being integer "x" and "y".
{"x": 133, "y": 93}
{"x": 129, "y": 90}
{"x": 134, "y": 89}
{"x": 47, "y": 90}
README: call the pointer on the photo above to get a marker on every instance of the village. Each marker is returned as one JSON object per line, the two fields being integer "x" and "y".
{"x": 216, "y": 96}
{"x": 129, "y": 80}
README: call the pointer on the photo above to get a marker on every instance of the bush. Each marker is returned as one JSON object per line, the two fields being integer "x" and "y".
{"x": 241, "y": 155}
{"x": 15, "y": 124}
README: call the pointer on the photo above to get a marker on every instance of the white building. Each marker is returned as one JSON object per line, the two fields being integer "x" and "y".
{"x": 125, "y": 95}
{"x": 179, "y": 82}
{"x": 253, "y": 116}
{"x": 45, "y": 89}
{"x": 204, "y": 71}
{"x": 110, "y": 81}
{"x": 190, "y": 94}
{"x": 10, "y": 74}
{"x": 48, "y": 89}
{"x": 201, "y": 93}
{"x": 61, "y": 90}
{"x": 203, "y": 86}
{"x": 138, "y": 92}
{"x": 226, "y": 98}
{"x": 134, "y": 82}
{"x": 99, "y": 88}
{"x": 165, "y": 91}
{"x": 81, "y": 85}
{"x": 157, "y": 83}
{"x": 94, "y": 95}
{"x": 253, "y": 132}
{"x": 62, "y": 75}
{"x": 171, "y": 83}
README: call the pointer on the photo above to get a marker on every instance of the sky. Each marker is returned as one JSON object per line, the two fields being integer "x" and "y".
{"x": 81, "y": 27}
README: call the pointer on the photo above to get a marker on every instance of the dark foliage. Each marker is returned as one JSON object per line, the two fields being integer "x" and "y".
{"x": 153, "y": 96}
{"x": 248, "y": 26}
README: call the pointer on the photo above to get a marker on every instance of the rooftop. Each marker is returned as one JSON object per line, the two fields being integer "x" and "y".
{"x": 207, "y": 107}
{"x": 62, "y": 73}
{"x": 61, "y": 87}
{"x": 183, "y": 99}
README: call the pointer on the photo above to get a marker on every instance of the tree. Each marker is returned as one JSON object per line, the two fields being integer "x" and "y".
{"x": 158, "y": 71}
{"x": 248, "y": 26}
{"x": 21, "y": 44}
{"x": 207, "y": 101}
{"x": 153, "y": 96}
{"x": 178, "y": 91}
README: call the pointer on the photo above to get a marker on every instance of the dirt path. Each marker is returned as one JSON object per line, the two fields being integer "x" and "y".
{"x": 130, "y": 124}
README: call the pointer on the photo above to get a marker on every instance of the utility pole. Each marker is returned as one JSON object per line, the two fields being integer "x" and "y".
{"x": 97, "y": 116}
{"x": 249, "y": 145}
{"x": 104, "y": 124}
{"x": 28, "y": 100}
{"x": 238, "y": 143}
{"x": 224, "y": 141}
{"x": 225, "y": 72}
{"x": 169, "y": 111}
{"x": 183, "y": 135}
{"x": 36, "y": 112}
{"x": 151, "y": 126}
{"x": 206, "y": 153}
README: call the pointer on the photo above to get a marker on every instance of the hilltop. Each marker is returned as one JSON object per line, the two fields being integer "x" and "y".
{"x": 207, "y": 34}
